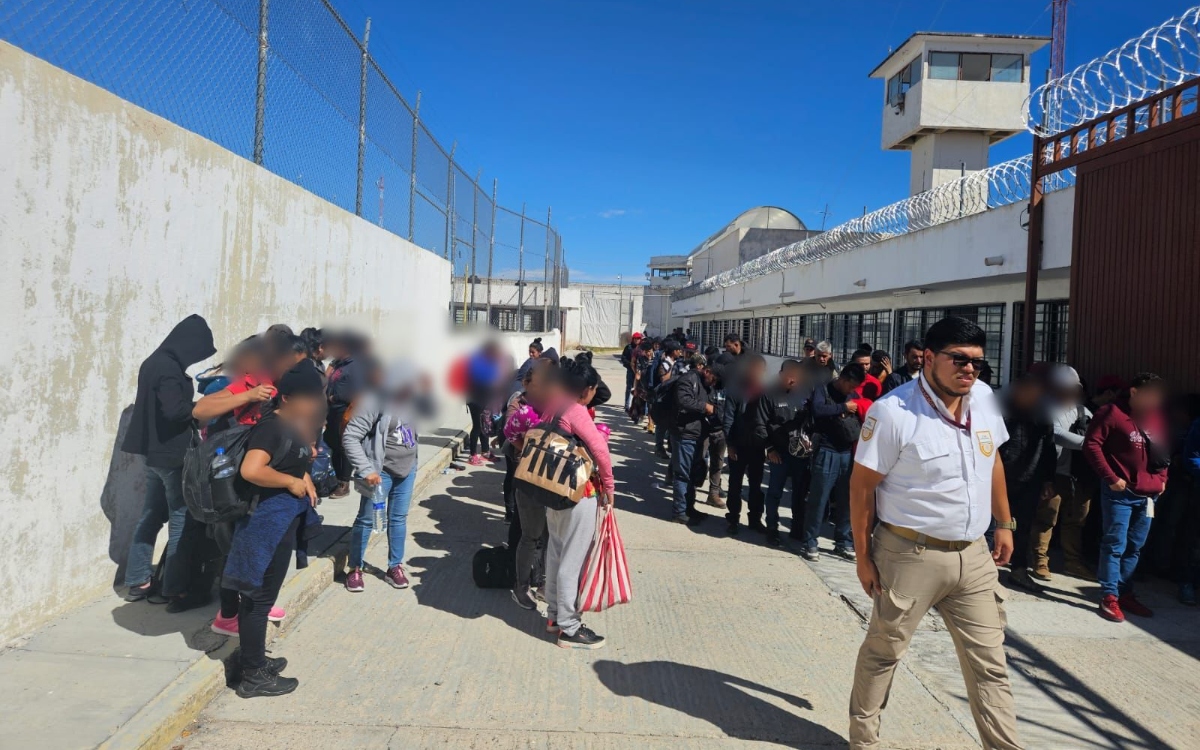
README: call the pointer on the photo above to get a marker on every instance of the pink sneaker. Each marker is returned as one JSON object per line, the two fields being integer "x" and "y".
{"x": 475, "y": 460}
{"x": 395, "y": 577}
{"x": 276, "y": 614}
{"x": 223, "y": 626}
{"x": 354, "y": 581}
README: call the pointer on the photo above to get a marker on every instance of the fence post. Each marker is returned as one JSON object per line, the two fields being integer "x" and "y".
{"x": 260, "y": 91}
{"x": 451, "y": 250}
{"x": 521, "y": 274}
{"x": 474, "y": 231}
{"x": 362, "y": 119}
{"x": 412, "y": 175}
{"x": 546, "y": 276}
{"x": 491, "y": 251}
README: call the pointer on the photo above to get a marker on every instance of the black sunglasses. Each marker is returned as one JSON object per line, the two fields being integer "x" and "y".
{"x": 961, "y": 360}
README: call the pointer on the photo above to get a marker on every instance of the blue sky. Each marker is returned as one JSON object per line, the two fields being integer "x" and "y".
{"x": 648, "y": 125}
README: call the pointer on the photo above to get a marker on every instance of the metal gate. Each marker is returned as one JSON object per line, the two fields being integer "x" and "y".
{"x": 1135, "y": 256}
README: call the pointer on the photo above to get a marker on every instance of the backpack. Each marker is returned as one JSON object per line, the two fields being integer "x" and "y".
{"x": 494, "y": 568}
{"x": 210, "y": 498}
{"x": 662, "y": 406}
{"x": 651, "y": 376}
{"x": 324, "y": 478}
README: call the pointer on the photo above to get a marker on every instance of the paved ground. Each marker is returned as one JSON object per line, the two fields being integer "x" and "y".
{"x": 726, "y": 643}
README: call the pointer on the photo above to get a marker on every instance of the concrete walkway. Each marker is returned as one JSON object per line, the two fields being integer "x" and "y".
{"x": 124, "y": 674}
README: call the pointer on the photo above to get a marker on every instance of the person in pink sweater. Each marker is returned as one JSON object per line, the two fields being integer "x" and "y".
{"x": 571, "y": 530}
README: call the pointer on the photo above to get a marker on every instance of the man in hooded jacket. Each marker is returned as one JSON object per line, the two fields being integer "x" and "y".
{"x": 160, "y": 429}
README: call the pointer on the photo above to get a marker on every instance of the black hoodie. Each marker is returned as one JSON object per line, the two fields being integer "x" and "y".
{"x": 162, "y": 413}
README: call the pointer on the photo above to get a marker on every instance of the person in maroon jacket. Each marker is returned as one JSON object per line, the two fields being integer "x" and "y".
{"x": 1126, "y": 445}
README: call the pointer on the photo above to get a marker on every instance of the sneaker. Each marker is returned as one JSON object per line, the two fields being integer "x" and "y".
{"x": 354, "y": 581}
{"x": 684, "y": 519}
{"x": 156, "y": 597}
{"x": 276, "y": 614}
{"x": 1129, "y": 603}
{"x": 276, "y": 665}
{"x": 733, "y": 528}
{"x": 537, "y": 594}
{"x": 1187, "y": 594}
{"x": 137, "y": 593}
{"x": 396, "y": 578}
{"x": 773, "y": 538}
{"x": 225, "y": 626}
{"x": 812, "y": 554}
{"x": 756, "y": 524}
{"x": 341, "y": 490}
{"x": 1022, "y": 580}
{"x": 1110, "y": 609}
{"x": 475, "y": 460}
{"x": 264, "y": 683}
{"x": 845, "y": 553}
{"x": 524, "y": 598}
{"x": 1079, "y": 570}
{"x": 1042, "y": 573}
{"x": 583, "y": 638}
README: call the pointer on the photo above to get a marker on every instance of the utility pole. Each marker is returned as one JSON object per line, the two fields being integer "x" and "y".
{"x": 824, "y": 215}
{"x": 380, "y": 186}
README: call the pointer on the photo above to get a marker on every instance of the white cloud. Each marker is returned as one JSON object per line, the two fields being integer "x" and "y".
{"x": 612, "y": 213}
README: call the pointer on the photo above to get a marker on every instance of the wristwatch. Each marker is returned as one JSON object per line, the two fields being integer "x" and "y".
{"x": 1008, "y": 525}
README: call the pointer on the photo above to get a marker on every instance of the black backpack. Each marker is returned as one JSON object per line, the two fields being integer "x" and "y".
{"x": 663, "y": 409}
{"x": 494, "y": 568}
{"x": 215, "y": 500}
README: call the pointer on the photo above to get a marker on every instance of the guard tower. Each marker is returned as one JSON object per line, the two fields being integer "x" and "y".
{"x": 950, "y": 96}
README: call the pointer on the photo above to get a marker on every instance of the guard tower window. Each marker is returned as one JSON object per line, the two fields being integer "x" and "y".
{"x": 899, "y": 84}
{"x": 971, "y": 66}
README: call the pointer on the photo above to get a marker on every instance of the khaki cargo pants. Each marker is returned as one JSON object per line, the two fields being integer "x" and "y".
{"x": 965, "y": 589}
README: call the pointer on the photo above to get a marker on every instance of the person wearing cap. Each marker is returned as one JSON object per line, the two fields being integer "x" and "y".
{"x": 688, "y": 401}
{"x": 1074, "y": 482}
{"x": 810, "y": 348}
{"x": 926, "y": 468}
{"x": 1108, "y": 389}
{"x": 628, "y": 361}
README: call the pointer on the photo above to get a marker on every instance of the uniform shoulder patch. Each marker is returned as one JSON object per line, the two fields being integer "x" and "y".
{"x": 868, "y": 428}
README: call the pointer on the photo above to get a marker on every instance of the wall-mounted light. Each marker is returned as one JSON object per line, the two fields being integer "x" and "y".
{"x": 994, "y": 260}
{"x": 784, "y": 295}
{"x": 860, "y": 282}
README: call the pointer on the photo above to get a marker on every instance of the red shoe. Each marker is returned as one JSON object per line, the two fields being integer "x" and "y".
{"x": 1130, "y": 604}
{"x": 354, "y": 581}
{"x": 276, "y": 614}
{"x": 475, "y": 460}
{"x": 223, "y": 626}
{"x": 395, "y": 576}
{"x": 1110, "y": 609}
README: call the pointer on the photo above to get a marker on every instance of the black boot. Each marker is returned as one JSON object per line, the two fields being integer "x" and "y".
{"x": 265, "y": 683}
{"x": 773, "y": 538}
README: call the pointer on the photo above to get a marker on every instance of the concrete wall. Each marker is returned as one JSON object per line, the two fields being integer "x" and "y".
{"x": 115, "y": 224}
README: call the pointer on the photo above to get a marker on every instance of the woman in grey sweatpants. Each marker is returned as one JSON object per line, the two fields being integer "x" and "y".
{"x": 571, "y": 530}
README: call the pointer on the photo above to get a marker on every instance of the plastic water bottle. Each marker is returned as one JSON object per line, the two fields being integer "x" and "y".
{"x": 379, "y": 506}
{"x": 222, "y": 465}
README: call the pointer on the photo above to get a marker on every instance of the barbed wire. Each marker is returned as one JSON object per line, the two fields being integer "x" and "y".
{"x": 999, "y": 185}
{"x": 1162, "y": 57}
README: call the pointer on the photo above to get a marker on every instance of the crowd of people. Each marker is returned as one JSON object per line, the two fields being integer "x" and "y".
{"x": 301, "y": 416}
{"x": 795, "y": 431}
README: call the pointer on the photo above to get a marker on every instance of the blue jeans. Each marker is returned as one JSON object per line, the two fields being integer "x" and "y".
{"x": 628, "y": 388}
{"x": 830, "y": 484}
{"x": 399, "y": 491}
{"x": 163, "y": 504}
{"x": 682, "y": 454}
{"x": 795, "y": 469}
{"x": 1126, "y": 527}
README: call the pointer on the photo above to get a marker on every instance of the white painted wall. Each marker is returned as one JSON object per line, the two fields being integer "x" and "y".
{"x": 115, "y": 224}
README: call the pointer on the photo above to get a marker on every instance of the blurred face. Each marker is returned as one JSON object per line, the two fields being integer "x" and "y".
{"x": 789, "y": 378}
{"x": 1069, "y": 396}
{"x": 1146, "y": 399}
{"x": 301, "y": 412}
{"x": 755, "y": 373}
{"x": 1025, "y": 395}
{"x": 865, "y": 361}
{"x": 913, "y": 358}
{"x": 823, "y": 358}
{"x": 287, "y": 362}
{"x": 535, "y": 391}
{"x": 954, "y": 370}
{"x": 247, "y": 363}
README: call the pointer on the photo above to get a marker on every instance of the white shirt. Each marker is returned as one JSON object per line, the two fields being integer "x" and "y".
{"x": 937, "y": 476}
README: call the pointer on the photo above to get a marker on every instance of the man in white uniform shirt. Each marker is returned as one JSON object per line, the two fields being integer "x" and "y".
{"x": 926, "y": 468}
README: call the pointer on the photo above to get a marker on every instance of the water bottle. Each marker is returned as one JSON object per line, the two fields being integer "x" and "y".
{"x": 222, "y": 465}
{"x": 379, "y": 506}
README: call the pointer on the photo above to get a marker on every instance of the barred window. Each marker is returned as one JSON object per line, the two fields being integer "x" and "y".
{"x": 1050, "y": 327}
{"x": 913, "y": 323}
{"x": 848, "y": 330}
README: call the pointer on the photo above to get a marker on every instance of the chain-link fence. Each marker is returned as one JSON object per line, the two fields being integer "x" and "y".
{"x": 291, "y": 86}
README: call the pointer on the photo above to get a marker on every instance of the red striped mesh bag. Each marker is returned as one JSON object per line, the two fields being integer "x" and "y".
{"x": 605, "y": 580}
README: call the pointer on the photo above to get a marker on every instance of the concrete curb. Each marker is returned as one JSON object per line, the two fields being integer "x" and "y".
{"x": 161, "y": 720}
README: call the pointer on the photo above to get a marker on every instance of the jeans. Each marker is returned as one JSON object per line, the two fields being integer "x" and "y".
{"x": 628, "y": 389}
{"x": 795, "y": 469}
{"x": 749, "y": 466}
{"x": 531, "y": 549}
{"x": 830, "y": 484}
{"x": 164, "y": 504}
{"x": 1126, "y": 526}
{"x": 254, "y": 608}
{"x": 399, "y": 491}
{"x": 682, "y": 454}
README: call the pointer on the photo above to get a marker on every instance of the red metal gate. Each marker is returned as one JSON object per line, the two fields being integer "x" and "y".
{"x": 1135, "y": 258}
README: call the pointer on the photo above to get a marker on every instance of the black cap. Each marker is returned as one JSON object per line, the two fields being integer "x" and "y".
{"x": 810, "y": 344}
{"x": 301, "y": 380}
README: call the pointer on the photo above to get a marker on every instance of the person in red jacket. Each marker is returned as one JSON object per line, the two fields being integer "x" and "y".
{"x": 1125, "y": 445}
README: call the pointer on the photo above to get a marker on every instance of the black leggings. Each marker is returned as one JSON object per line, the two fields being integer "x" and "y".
{"x": 476, "y": 438}
{"x": 252, "y": 614}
